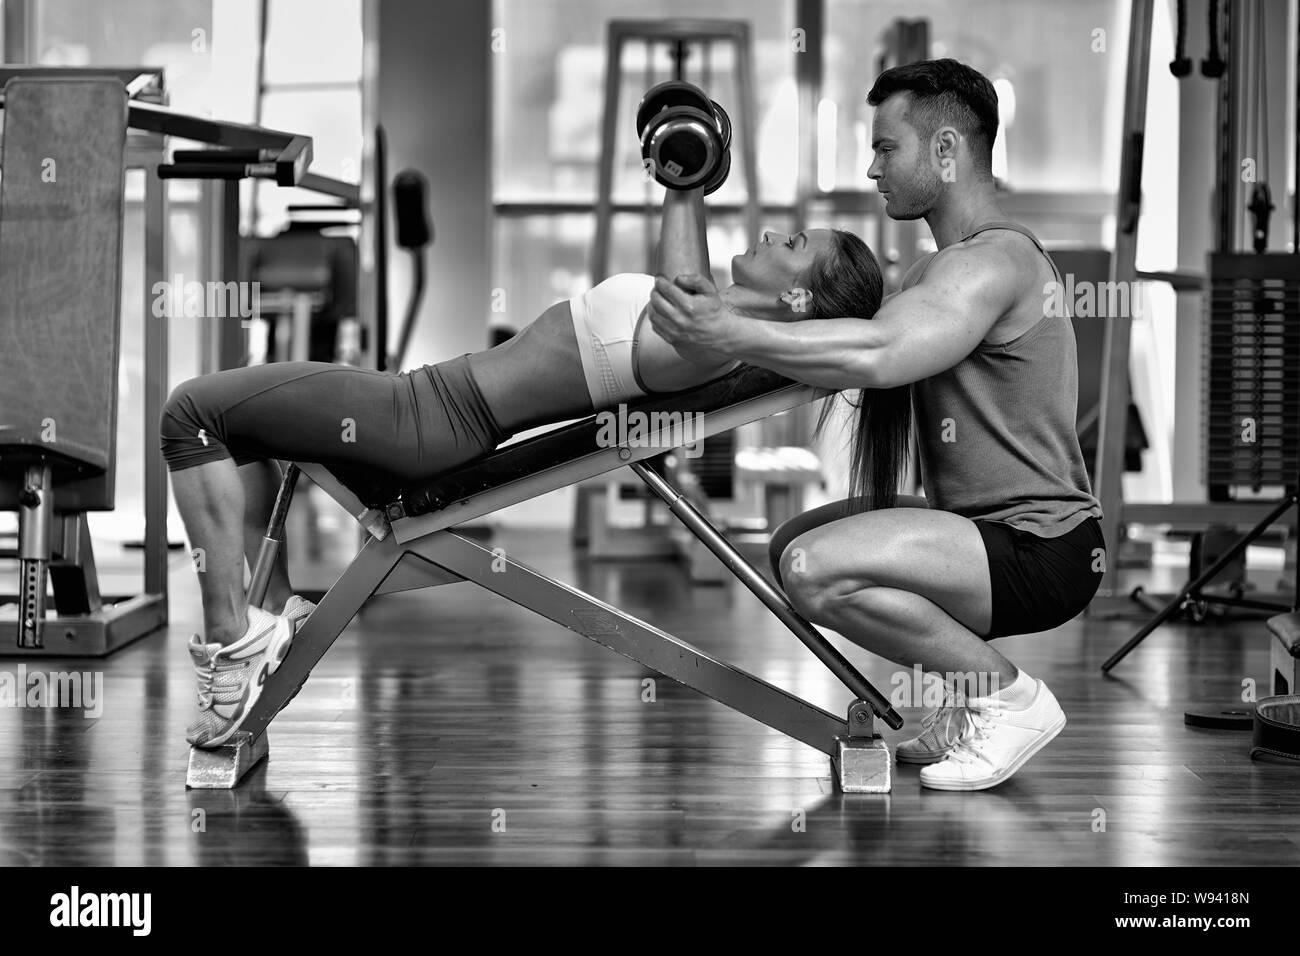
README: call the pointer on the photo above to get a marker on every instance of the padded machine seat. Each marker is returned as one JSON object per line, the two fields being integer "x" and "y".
{"x": 573, "y": 441}
{"x": 61, "y": 262}
{"x": 68, "y": 460}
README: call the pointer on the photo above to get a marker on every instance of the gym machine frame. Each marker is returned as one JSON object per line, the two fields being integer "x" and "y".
{"x": 97, "y": 625}
{"x": 1115, "y": 373}
{"x": 413, "y": 544}
{"x": 91, "y": 624}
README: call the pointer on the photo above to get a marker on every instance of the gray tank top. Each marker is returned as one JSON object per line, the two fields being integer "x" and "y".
{"x": 996, "y": 432}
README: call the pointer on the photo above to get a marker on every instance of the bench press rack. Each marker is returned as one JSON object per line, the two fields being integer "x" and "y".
{"x": 413, "y": 544}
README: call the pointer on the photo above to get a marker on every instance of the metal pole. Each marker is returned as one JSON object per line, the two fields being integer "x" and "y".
{"x": 156, "y": 382}
{"x": 1193, "y": 587}
{"x": 776, "y": 602}
{"x": 1113, "y": 419}
{"x": 273, "y": 538}
{"x": 605, "y": 175}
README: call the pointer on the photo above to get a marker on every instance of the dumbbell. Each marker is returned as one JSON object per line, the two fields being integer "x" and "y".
{"x": 685, "y": 135}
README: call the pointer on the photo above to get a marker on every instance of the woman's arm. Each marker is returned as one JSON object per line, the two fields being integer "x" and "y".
{"x": 683, "y": 238}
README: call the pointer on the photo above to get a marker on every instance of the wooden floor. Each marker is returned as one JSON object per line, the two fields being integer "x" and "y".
{"x": 447, "y": 726}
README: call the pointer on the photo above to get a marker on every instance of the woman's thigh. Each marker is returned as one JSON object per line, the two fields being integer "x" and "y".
{"x": 308, "y": 411}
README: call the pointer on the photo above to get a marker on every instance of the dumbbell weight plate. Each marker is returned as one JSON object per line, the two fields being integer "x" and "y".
{"x": 724, "y": 123}
{"x": 667, "y": 95}
{"x": 720, "y": 176}
{"x": 683, "y": 144}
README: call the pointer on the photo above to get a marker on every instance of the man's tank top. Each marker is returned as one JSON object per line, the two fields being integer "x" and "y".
{"x": 996, "y": 432}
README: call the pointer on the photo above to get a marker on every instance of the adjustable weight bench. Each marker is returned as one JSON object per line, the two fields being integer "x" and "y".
{"x": 412, "y": 544}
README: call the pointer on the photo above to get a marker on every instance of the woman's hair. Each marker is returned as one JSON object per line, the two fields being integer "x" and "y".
{"x": 846, "y": 282}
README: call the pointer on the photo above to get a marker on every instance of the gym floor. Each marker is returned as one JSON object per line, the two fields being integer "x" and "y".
{"x": 447, "y": 726}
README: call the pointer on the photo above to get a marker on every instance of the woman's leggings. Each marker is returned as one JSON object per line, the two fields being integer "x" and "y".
{"x": 376, "y": 431}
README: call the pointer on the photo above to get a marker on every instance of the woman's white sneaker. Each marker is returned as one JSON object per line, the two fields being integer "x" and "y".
{"x": 297, "y": 610}
{"x": 230, "y": 678}
{"x": 998, "y": 742}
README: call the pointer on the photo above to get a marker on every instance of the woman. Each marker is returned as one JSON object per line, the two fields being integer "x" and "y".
{"x": 223, "y": 433}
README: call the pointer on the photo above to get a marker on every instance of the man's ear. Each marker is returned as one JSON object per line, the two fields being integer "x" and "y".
{"x": 946, "y": 141}
{"x": 799, "y": 300}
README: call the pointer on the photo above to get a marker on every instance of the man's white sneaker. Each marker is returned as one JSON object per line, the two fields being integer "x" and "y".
{"x": 999, "y": 742}
{"x": 940, "y": 731}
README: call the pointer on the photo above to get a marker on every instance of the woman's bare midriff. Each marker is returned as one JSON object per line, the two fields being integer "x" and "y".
{"x": 536, "y": 377}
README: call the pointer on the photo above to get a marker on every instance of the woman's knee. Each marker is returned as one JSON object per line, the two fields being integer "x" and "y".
{"x": 179, "y": 412}
{"x": 188, "y": 427}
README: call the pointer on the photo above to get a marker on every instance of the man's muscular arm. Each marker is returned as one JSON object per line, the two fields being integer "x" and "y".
{"x": 918, "y": 332}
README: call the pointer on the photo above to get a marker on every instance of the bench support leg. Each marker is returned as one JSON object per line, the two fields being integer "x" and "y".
{"x": 635, "y": 639}
{"x": 221, "y": 768}
{"x": 862, "y": 762}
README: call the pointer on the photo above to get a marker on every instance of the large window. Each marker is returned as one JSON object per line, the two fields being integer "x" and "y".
{"x": 548, "y": 104}
{"x": 548, "y": 96}
{"x": 177, "y": 37}
{"x": 208, "y": 50}
{"x": 1058, "y": 67}
{"x": 1059, "y": 83}
{"x": 312, "y": 86}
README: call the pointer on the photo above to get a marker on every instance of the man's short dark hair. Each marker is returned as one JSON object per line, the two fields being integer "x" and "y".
{"x": 944, "y": 93}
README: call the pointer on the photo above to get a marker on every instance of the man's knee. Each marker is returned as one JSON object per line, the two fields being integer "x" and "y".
{"x": 780, "y": 541}
{"x": 776, "y": 547}
{"x": 806, "y": 575}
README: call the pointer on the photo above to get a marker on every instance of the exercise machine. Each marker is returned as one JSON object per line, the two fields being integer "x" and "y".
{"x": 69, "y": 136}
{"x": 1251, "y": 343}
{"x": 62, "y": 199}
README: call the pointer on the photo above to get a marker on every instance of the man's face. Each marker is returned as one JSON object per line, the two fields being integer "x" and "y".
{"x": 903, "y": 168}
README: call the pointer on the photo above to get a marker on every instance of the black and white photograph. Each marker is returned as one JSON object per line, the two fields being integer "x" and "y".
{"x": 638, "y": 434}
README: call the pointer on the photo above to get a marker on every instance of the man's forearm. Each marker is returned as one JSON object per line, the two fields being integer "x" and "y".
{"x": 683, "y": 240}
{"x": 828, "y": 353}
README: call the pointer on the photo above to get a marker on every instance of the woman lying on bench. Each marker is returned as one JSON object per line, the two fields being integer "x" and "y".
{"x": 223, "y": 433}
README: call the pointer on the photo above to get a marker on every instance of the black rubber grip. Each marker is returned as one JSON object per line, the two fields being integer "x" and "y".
{"x": 203, "y": 171}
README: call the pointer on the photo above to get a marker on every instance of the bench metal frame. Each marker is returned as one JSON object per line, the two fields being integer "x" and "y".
{"x": 426, "y": 551}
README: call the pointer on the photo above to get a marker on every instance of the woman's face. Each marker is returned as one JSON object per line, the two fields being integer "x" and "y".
{"x": 776, "y": 263}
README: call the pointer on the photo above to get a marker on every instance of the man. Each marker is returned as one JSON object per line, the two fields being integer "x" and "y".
{"x": 1011, "y": 542}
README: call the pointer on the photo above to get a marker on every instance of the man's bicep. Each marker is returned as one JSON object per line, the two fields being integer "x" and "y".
{"x": 939, "y": 321}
